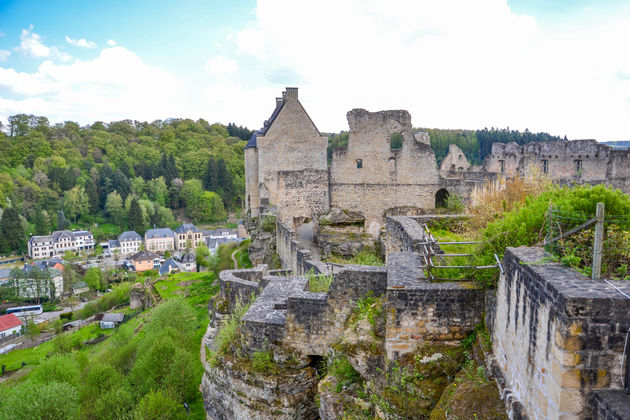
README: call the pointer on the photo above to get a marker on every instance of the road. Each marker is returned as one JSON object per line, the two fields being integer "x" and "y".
{"x": 234, "y": 259}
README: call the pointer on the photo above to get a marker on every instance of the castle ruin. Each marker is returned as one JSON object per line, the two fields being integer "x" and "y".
{"x": 287, "y": 172}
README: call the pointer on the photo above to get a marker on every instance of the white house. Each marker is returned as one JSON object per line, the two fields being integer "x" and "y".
{"x": 9, "y": 324}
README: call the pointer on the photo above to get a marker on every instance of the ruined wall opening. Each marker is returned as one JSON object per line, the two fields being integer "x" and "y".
{"x": 395, "y": 141}
{"x": 441, "y": 197}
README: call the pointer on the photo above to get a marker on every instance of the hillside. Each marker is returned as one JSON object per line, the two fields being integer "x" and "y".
{"x": 62, "y": 175}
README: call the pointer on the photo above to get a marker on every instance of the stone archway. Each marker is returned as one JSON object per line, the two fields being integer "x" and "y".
{"x": 441, "y": 197}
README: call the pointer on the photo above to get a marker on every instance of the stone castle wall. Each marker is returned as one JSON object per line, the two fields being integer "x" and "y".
{"x": 557, "y": 335}
{"x": 598, "y": 163}
{"x": 302, "y": 194}
{"x": 370, "y": 177}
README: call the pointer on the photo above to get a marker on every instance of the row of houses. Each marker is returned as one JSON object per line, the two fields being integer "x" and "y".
{"x": 159, "y": 240}
{"x": 59, "y": 242}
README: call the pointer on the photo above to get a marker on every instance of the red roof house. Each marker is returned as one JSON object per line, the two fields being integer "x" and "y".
{"x": 9, "y": 324}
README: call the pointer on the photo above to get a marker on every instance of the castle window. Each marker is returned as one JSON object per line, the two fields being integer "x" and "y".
{"x": 395, "y": 141}
{"x": 359, "y": 163}
{"x": 502, "y": 163}
{"x": 545, "y": 166}
{"x": 578, "y": 166}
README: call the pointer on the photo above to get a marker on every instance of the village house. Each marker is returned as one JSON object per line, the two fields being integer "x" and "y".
{"x": 130, "y": 242}
{"x": 10, "y": 325}
{"x": 189, "y": 262}
{"x": 145, "y": 260}
{"x": 59, "y": 242}
{"x": 188, "y": 236}
{"x": 170, "y": 266}
{"x": 80, "y": 287}
{"x": 111, "y": 320}
{"x": 37, "y": 281}
{"x": 159, "y": 240}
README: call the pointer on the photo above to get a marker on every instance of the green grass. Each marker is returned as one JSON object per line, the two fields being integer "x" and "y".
{"x": 106, "y": 231}
{"x": 453, "y": 273}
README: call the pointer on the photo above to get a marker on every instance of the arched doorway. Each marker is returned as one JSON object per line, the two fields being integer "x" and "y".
{"x": 441, "y": 197}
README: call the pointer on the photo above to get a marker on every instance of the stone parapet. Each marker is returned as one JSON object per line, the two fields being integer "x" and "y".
{"x": 557, "y": 335}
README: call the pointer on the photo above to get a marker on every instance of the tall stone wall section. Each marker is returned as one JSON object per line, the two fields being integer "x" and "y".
{"x": 370, "y": 177}
{"x": 419, "y": 311}
{"x": 557, "y": 335}
{"x": 291, "y": 253}
{"x": 599, "y": 164}
{"x": 302, "y": 194}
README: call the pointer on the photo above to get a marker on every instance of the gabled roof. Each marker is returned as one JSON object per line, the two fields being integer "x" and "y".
{"x": 144, "y": 256}
{"x": 79, "y": 285}
{"x": 9, "y": 321}
{"x": 186, "y": 227}
{"x": 189, "y": 258}
{"x": 113, "y": 317}
{"x": 59, "y": 233}
{"x": 169, "y": 265}
{"x": 114, "y": 244}
{"x": 129, "y": 235}
{"x": 158, "y": 233}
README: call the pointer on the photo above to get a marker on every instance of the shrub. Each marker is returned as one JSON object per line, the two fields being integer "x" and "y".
{"x": 340, "y": 367}
{"x": 36, "y": 400}
{"x": 157, "y": 405}
{"x": 454, "y": 204}
{"x": 58, "y": 368}
{"x": 319, "y": 282}
{"x": 263, "y": 362}
{"x": 228, "y": 333}
{"x": 268, "y": 223}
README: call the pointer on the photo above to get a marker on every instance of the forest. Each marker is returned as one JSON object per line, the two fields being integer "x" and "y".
{"x": 128, "y": 174}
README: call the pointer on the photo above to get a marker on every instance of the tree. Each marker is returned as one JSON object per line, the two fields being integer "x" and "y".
{"x": 11, "y": 229}
{"x": 157, "y": 190}
{"x": 94, "y": 278}
{"x": 70, "y": 276}
{"x": 134, "y": 217}
{"x": 114, "y": 207}
{"x": 211, "y": 176}
{"x": 92, "y": 195}
{"x": 62, "y": 222}
{"x": 41, "y": 223}
{"x": 208, "y": 207}
{"x": 225, "y": 182}
{"x": 76, "y": 203}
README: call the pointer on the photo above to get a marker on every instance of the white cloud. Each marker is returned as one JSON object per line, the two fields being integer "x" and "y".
{"x": 114, "y": 85}
{"x": 82, "y": 43}
{"x": 111, "y": 42}
{"x": 452, "y": 63}
{"x": 4, "y": 55}
{"x": 31, "y": 44}
{"x": 220, "y": 66}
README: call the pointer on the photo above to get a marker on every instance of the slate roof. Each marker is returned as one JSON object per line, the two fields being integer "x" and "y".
{"x": 114, "y": 243}
{"x": 79, "y": 285}
{"x": 36, "y": 240}
{"x": 159, "y": 233}
{"x": 58, "y": 233}
{"x": 129, "y": 235}
{"x": 144, "y": 256}
{"x": 82, "y": 233}
{"x": 9, "y": 321}
{"x": 189, "y": 258}
{"x": 5, "y": 273}
{"x": 164, "y": 268}
{"x": 186, "y": 227}
{"x": 263, "y": 131}
{"x": 113, "y": 317}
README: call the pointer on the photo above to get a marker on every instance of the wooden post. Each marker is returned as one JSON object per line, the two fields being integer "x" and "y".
{"x": 598, "y": 242}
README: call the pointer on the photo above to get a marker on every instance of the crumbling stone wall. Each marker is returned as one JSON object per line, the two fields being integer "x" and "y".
{"x": 369, "y": 177}
{"x": 598, "y": 163}
{"x": 557, "y": 335}
{"x": 454, "y": 161}
{"x": 301, "y": 194}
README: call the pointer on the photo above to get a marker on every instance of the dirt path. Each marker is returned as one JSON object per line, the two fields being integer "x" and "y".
{"x": 234, "y": 259}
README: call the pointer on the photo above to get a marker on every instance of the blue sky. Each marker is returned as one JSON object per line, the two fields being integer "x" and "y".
{"x": 559, "y": 66}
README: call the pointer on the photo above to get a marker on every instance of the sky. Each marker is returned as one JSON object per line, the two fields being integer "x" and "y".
{"x": 559, "y": 66}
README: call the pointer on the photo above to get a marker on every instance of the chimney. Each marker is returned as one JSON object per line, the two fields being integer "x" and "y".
{"x": 279, "y": 102}
{"x": 292, "y": 93}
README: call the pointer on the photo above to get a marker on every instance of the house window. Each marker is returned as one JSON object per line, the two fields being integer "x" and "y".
{"x": 359, "y": 163}
{"x": 502, "y": 163}
{"x": 545, "y": 165}
{"x": 578, "y": 166}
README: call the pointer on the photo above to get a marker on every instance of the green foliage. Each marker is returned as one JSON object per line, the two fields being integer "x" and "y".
{"x": 228, "y": 334}
{"x": 340, "y": 367}
{"x": 268, "y": 223}
{"x": 157, "y": 405}
{"x": 58, "y": 368}
{"x": 454, "y": 204}
{"x": 395, "y": 141}
{"x": 370, "y": 307}
{"x": 319, "y": 282}
{"x": 525, "y": 225}
{"x": 36, "y": 400}
{"x": 263, "y": 362}
{"x": 118, "y": 296}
